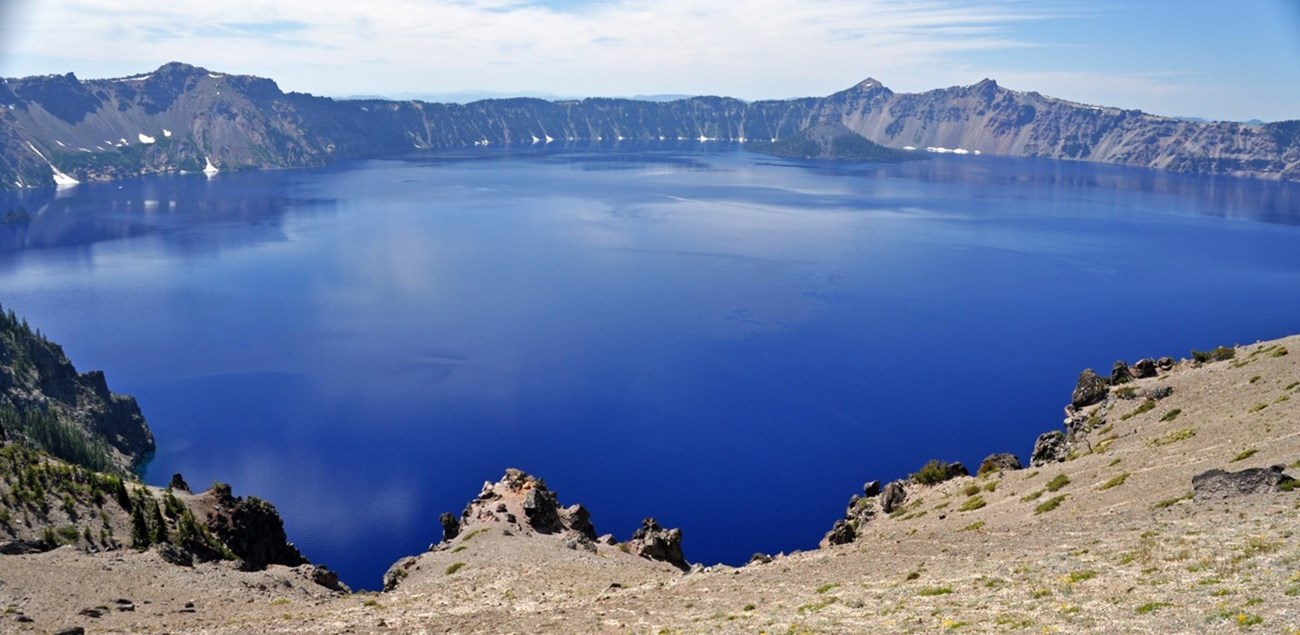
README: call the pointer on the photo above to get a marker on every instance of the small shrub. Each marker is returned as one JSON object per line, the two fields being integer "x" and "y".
{"x": 828, "y": 587}
{"x": 1254, "y": 379}
{"x": 1218, "y": 354}
{"x": 1074, "y": 577}
{"x": 991, "y": 487}
{"x": 1032, "y": 496}
{"x": 1248, "y": 619}
{"x": 936, "y": 471}
{"x": 1172, "y": 414}
{"x": 973, "y": 503}
{"x": 1126, "y": 392}
{"x": 1259, "y": 406}
{"x": 1057, "y": 482}
{"x": 1151, "y": 607}
{"x": 1292, "y": 385}
{"x": 971, "y": 490}
{"x": 1243, "y": 455}
{"x": 975, "y": 526}
{"x": 1280, "y": 352}
{"x": 1173, "y": 437}
{"x": 454, "y": 567}
{"x": 1049, "y": 504}
{"x": 748, "y": 607}
{"x": 1146, "y": 405}
{"x": 1114, "y": 482}
{"x": 930, "y": 591}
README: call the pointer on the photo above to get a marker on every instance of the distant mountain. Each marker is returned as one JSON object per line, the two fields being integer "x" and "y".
{"x": 831, "y": 140}
{"x": 185, "y": 118}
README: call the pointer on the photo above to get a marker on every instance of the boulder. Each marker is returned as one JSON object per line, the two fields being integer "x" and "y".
{"x": 178, "y": 483}
{"x": 1001, "y": 462}
{"x": 893, "y": 496}
{"x": 1219, "y": 485}
{"x": 760, "y": 558}
{"x": 841, "y": 533}
{"x": 871, "y": 488}
{"x": 175, "y": 555}
{"x": 1159, "y": 392}
{"x": 398, "y": 572}
{"x": 1143, "y": 368}
{"x": 450, "y": 526}
{"x": 542, "y": 509}
{"x": 1089, "y": 390}
{"x": 1165, "y": 363}
{"x": 1050, "y": 447}
{"x": 577, "y": 518}
{"x": 653, "y": 542}
{"x": 1120, "y": 373}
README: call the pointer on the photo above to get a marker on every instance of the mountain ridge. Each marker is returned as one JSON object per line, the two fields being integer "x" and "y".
{"x": 183, "y": 118}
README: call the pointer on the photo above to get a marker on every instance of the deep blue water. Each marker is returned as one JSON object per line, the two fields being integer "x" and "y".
{"x": 728, "y": 342}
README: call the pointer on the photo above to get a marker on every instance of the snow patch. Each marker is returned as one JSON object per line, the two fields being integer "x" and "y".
{"x": 166, "y": 132}
{"x": 215, "y": 76}
{"x": 144, "y": 138}
{"x": 60, "y": 179}
{"x": 909, "y": 147}
{"x": 549, "y": 139}
{"x": 61, "y": 144}
{"x": 535, "y": 139}
{"x": 209, "y": 169}
{"x": 133, "y": 79}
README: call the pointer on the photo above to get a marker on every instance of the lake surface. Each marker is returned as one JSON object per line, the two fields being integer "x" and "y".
{"x": 730, "y": 343}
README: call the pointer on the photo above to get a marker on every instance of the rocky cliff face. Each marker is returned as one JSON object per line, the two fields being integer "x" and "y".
{"x": 184, "y": 118}
{"x": 45, "y": 402}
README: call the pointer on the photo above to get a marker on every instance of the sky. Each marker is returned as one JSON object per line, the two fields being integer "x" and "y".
{"x": 1206, "y": 58}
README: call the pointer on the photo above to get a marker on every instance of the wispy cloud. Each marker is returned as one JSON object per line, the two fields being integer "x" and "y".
{"x": 582, "y": 47}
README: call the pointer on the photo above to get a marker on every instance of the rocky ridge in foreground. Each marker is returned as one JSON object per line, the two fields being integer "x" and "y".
{"x": 1165, "y": 505}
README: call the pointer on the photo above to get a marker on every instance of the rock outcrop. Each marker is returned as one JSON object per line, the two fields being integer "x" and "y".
{"x": 1001, "y": 462}
{"x": 1219, "y": 485}
{"x": 73, "y": 416}
{"x": 653, "y": 542}
{"x": 1090, "y": 389}
{"x": 517, "y": 496}
{"x": 251, "y": 528}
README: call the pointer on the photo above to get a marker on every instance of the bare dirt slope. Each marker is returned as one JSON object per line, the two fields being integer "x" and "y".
{"x": 1109, "y": 540}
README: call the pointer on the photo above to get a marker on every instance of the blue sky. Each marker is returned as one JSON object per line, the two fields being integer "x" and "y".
{"x": 1214, "y": 59}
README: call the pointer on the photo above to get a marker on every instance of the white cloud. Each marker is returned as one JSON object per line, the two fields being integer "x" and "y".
{"x": 753, "y": 49}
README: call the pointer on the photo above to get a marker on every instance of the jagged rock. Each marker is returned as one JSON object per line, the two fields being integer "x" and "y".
{"x": 1218, "y": 484}
{"x": 1050, "y": 447}
{"x": 893, "y": 496}
{"x": 1165, "y": 363}
{"x": 542, "y": 509}
{"x": 841, "y": 533}
{"x": 323, "y": 576}
{"x": 1002, "y": 462}
{"x": 577, "y": 518}
{"x": 178, "y": 483}
{"x": 1144, "y": 368}
{"x": 1159, "y": 392}
{"x": 871, "y": 488}
{"x": 653, "y": 542}
{"x": 21, "y": 547}
{"x": 580, "y": 541}
{"x": 1120, "y": 374}
{"x": 759, "y": 558}
{"x": 607, "y": 539}
{"x": 398, "y": 572}
{"x": 251, "y": 528}
{"x": 1089, "y": 390}
{"x": 175, "y": 555}
{"x": 450, "y": 526}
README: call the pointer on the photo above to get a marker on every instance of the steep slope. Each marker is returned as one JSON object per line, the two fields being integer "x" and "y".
{"x": 1110, "y": 531}
{"x": 184, "y": 118}
{"x": 45, "y": 402}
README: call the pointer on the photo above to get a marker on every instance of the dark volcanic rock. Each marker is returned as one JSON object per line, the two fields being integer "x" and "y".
{"x": 1218, "y": 484}
{"x": 841, "y": 533}
{"x": 178, "y": 483}
{"x": 1089, "y": 390}
{"x": 1120, "y": 373}
{"x": 1165, "y": 363}
{"x": 542, "y": 509}
{"x": 398, "y": 572}
{"x": 1002, "y": 462}
{"x": 576, "y": 518}
{"x": 175, "y": 555}
{"x": 251, "y": 528}
{"x": 1144, "y": 368}
{"x": 653, "y": 542}
{"x": 450, "y": 526}
{"x": 871, "y": 488}
{"x": 1050, "y": 447}
{"x": 833, "y": 141}
{"x": 893, "y": 496}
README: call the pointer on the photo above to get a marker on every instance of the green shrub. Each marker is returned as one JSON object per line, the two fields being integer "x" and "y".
{"x": 936, "y": 471}
{"x": 1147, "y": 404}
{"x": 1172, "y": 414}
{"x": 1218, "y": 354}
{"x": 1114, "y": 482}
{"x": 930, "y": 591}
{"x": 1049, "y": 504}
{"x": 973, "y": 503}
{"x": 1057, "y": 482}
{"x": 454, "y": 567}
{"x": 1243, "y": 455}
